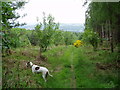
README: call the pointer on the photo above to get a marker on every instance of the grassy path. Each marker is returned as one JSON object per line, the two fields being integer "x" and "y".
{"x": 73, "y": 79}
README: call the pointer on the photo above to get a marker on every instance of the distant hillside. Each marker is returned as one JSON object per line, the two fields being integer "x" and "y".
{"x": 75, "y": 27}
{"x": 72, "y": 27}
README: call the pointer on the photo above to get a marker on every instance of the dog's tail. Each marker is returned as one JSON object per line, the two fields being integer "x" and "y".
{"x": 50, "y": 74}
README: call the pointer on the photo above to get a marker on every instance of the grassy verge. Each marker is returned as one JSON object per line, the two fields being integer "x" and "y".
{"x": 89, "y": 74}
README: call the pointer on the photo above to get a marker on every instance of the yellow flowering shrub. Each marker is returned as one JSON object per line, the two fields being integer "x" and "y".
{"x": 78, "y": 43}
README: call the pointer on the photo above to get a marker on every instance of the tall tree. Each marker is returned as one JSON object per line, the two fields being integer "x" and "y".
{"x": 9, "y": 14}
{"x": 45, "y": 35}
{"x": 103, "y": 17}
{"x": 7, "y": 21}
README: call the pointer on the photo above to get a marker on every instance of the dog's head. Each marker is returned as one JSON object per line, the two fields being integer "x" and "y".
{"x": 29, "y": 64}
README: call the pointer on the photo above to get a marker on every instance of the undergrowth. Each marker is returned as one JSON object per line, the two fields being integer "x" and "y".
{"x": 62, "y": 62}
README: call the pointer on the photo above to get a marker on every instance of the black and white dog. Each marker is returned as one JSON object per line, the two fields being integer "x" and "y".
{"x": 38, "y": 69}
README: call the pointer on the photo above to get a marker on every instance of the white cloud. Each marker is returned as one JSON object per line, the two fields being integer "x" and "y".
{"x": 64, "y": 11}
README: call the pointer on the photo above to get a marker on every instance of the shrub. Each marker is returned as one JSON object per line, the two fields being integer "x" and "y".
{"x": 91, "y": 37}
{"x": 78, "y": 43}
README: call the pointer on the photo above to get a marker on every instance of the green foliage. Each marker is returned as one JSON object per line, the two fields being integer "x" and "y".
{"x": 45, "y": 35}
{"x": 58, "y": 38}
{"x": 9, "y": 15}
{"x": 79, "y": 35}
{"x": 33, "y": 38}
{"x": 10, "y": 38}
{"x": 103, "y": 17}
{"x": 69, "y": 38}
{"x": 48, "y": 33}
{"x": 21, "y": 34}
{"x": 14, "y": 38}
{"x": 91, "y": 37}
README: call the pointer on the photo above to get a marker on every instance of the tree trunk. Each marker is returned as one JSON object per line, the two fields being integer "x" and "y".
{"x": 111, "y": 36}
{"x": 102, "y": 31}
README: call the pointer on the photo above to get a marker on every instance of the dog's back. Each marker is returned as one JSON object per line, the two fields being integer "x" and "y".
{"x": 36, "y": 68}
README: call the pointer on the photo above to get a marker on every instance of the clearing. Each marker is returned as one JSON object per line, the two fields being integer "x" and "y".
{"x": 71, "y": 68}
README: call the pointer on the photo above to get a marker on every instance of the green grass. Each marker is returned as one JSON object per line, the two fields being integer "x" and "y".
{"x": 71, "y": 67}
{"x": 88, "y": 76}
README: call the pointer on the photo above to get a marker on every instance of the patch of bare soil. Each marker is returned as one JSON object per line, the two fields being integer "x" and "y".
{"x": 22, "y": 65}
{"x": 7, "y": 52}
{"x": 107, "y": 66}
{"x": 105, "y": 49}
{"x": 41, "y": 58}
{"x": 28, "y": 54}
{"x": 89, "y": 53}
{"x": 8, "y": 63}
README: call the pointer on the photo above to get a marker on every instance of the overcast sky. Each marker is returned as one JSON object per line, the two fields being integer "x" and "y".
{"x": 64, "y": 11}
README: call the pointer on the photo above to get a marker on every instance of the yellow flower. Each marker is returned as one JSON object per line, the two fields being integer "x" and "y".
{"x": 78, "y": 43}
{"x": 75, "y": 44}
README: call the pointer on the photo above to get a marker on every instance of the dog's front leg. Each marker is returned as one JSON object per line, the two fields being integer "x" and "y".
{"x": 43, "y": 75}
{"x": 33, "y": 71}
